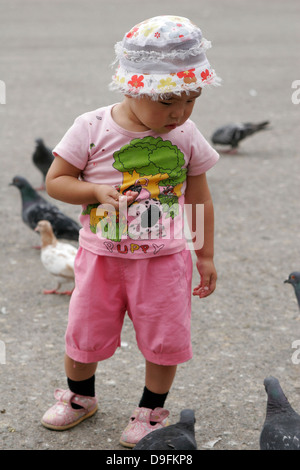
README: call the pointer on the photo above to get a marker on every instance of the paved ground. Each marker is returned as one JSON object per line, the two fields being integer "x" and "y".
{"x": 55, "y": 58}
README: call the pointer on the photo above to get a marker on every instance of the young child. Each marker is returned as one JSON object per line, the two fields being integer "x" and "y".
{"x": 133, "y": 166}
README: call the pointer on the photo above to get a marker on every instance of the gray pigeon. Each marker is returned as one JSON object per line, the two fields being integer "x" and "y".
{"x": 42, "y": 158}
{"x": 281, "y": 429}
{"x": 179, "y": 436}
{"x": 232, "y": 134}
{"x": 36, "y": 208}
{"x": 294, "y": 279}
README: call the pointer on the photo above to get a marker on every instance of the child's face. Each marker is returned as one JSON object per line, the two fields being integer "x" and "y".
{"x": 162, "y": 116}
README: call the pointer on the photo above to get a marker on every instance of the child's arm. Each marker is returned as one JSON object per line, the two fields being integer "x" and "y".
{"x": 62, "y": 183}
{"x": 197, "y": 192}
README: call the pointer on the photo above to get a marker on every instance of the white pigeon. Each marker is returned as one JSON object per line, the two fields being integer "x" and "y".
{"x": 57, "y": 257}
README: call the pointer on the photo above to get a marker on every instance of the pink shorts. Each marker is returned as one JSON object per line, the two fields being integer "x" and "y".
{"x": 156, "y": 294}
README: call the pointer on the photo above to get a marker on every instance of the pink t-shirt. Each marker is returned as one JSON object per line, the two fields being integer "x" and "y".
{"x": 154, "y": 165}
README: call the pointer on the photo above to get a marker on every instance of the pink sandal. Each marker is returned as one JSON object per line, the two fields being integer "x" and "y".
{"x": 63, "y": 416}
{"x": 139, "y": 424}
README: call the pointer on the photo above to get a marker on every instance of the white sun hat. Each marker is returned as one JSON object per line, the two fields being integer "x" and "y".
{"x": 162, "y": 55}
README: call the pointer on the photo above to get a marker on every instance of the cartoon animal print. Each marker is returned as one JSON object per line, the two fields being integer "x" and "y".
{"x": 147, "y": 221}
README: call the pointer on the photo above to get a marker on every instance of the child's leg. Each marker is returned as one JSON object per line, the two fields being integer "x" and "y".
{"x": 158, "y": 381}
{"x": 81, "y": 378}
{"x": 159, "y": 378}
{"x": 79, "y": 371}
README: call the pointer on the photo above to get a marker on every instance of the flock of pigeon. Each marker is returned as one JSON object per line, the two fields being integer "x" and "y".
{"x": 50, "y": 222}
{"x": 281, "y": 428}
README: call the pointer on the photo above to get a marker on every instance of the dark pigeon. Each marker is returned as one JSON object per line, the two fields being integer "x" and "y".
{"x": 294, "y": 279}
{"x": 233, "y": 134}
{"x": 179, "y": 436}
{"x": 281, "y": 429}
{"x": 42, "y": 158}
{"x": 36, "y": 208}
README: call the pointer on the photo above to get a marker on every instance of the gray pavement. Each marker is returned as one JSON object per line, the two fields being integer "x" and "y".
{"x": 55, "y": 60}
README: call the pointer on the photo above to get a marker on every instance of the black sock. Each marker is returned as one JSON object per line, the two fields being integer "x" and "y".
{"x": 82, "y": 387}
{"x": 152, "y": 400}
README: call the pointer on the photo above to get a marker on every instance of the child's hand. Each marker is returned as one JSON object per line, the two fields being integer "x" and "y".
{"x": 131, "y": 196}
{"x": 208, "y": 277}
{"x": 109, "y": 195}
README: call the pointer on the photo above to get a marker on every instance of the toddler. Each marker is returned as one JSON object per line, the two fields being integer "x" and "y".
{"x": 134, "y": 166}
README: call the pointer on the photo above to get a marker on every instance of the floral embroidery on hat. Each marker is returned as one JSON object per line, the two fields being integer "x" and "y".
{"x": 174, "y": 30}
{"x": 136, "y": 81}
{"x": 206, "y": 75}
{"x": 119, "y": 79}
{"x": 166, "y": 84}
{"x": 132, "y": 32}
{"x": 187, "y": 75}
{"x": 148, "y": 29}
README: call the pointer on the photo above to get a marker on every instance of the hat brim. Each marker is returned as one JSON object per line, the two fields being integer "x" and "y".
{"x": 156, "y": 85}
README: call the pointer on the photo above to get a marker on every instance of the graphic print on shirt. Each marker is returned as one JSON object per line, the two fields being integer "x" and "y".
{"x": 152, "y": 167}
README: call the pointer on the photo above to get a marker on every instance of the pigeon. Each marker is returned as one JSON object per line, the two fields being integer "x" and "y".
{"x": 281, "y": 429}
{"x": 42, "y": 158}
{"x": 36, "y": 208}
{"x": 232, "y": 134}
{"x": 57, "y": 257}
{"x": 179, "y": 436}
{"x": 294, "y": 279}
